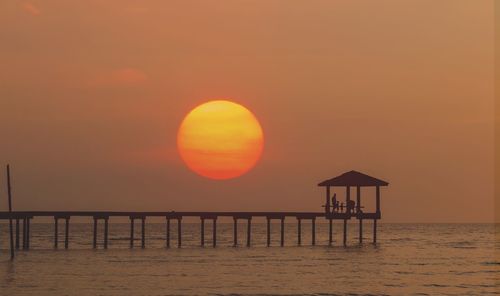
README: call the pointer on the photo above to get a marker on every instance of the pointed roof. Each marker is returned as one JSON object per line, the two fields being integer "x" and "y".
{"x": 353, "y": 178}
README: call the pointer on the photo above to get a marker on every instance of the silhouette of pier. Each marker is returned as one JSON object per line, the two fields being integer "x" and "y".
{"x": 332, "y": 211}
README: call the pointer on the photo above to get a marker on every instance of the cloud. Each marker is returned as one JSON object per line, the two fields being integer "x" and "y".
{"x": 120, "y": 77}
{"x": 31, "y": 9}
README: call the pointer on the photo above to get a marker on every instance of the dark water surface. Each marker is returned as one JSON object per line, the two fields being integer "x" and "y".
{"x": 418, "y": 259}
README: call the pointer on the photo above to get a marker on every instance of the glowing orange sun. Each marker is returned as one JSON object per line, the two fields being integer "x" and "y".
{"x": 220, "y": 140}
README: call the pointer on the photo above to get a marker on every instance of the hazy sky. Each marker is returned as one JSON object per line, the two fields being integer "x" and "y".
{"x": 92, "y": 94}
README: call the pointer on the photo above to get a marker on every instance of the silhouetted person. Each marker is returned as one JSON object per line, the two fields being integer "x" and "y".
{"x": 335, "y": 203}
{"x": 350, "y": 205}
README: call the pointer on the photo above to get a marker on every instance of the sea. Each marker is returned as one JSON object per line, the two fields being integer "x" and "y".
{"x": 408, "y": 259}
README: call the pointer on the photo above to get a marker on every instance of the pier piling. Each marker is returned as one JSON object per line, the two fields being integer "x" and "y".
{"x": 167, "y": 233}
{"x": 179, "y": 232}
{"x": 330, "y": 232}
{"x": 374, "y": 231}
{"x": 299, "y": 231}
{"x": 268, "y": 231}
{"x": 249, "y": 231}
{"x": 94, "y": 243}
{"x": 214, "y": 232}
{"x": 143, "y": 232}
{"x": 235, "y": 231}
{"x": 282, "y": 241}
{"x": 24, "y": 232}
{"x": 202, "y": 232}
{"x": 66, "y": 233}
{"x": 56, "y": 231}
{"x": 105, "y": 232}
{"x": 345, "y": 232}
{"x": 360, "y": 231}
{"x": 131, "y": 232}
{"x": 313, "y": 235}
{"x": 17, "y": 233}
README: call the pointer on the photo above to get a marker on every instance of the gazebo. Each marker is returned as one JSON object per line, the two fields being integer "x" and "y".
{"x": 335, "y": 210}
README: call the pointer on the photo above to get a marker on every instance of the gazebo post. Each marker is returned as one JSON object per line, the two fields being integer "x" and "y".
{"x": 345, "y": 232}
{"x": 378, "y": 200}
{"x": 330, "y": 233}
{"x": 347, "y": 199}
{"x": 327, "y": 203}
{"x": 374, "y": 231}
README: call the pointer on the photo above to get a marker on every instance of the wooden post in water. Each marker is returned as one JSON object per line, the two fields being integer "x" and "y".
{"x": 56, "y": 232}
{"x": 143, "y": 232}
{"x": 214, "y": 232}
{"x": 313, "y": 236}
{"x": 94, "y": 244}
{"x": 202, "y": 232}
{"x": 28, "y": 233}
{"x": 131, "y": 232}
{"x": 374, "y": 231}
{"x": 283, "y": 231}
{"x": 66, "y": 234}
{"x": 268, "y": 231}
{"x": 179, "y": 232}
{"x": 299, "y": 231}
{"x": 235, "y": 231}
{"x": 330, "y": 232}
{"x": 105, "y": 232}
{"x": 9, "y": 192}
{"x": 360, "y": 231}
{"x": 345, "y": 232}
{"x": 24, "y": 233}
{"x": 17, "y": 233}
{"x": 249, "y": 231}
{"x": 167, "y": 234}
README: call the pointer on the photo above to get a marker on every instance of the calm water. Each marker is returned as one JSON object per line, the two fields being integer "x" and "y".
{"x": 420, "y": 259}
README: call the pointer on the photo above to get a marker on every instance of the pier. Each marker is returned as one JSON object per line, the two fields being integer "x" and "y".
{"x": 333, "y": 210}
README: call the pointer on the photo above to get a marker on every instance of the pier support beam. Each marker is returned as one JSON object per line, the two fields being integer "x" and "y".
{"x": 56, "y": 231}
{"x": 282, "y": 241}
{"x": 268, "y": 231}
{"x": 24, "y": 232}
{"x": 249, "y": 231}
{"x": 179, "y": 232}
{"x": 345, "y": 232}
{"x": 17, "y": 233}
{"x": 360, "y": 231}
{"x": 374, "y": 231}
{"x": 105, "y": 232}
{"x": 202, "y": 232}
{"x": 94, "y": 244}
{"x": 235, "y": 232}
{"x": 143, "y": 232}
{"x": 313, "y": 236}
{"x": 214, "y": 232}
{"x": 66, "y": 233}
{"x": 330, "y": 232}
{"x": 167, "y": 233}
{"x": 28, "y": 233}
{"x": 132, "y": 220}
{"x": 299, "y": 231}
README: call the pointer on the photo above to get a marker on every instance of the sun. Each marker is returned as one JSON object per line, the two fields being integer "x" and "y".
{"x": 220, "y": 140}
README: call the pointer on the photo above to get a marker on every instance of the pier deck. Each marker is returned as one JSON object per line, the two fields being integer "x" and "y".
{"x": 26, "y": 216}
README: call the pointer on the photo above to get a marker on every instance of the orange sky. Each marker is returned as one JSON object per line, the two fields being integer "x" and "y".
{"x": 92, "y": 94}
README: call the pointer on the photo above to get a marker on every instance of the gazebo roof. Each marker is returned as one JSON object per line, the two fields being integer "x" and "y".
{"x": 353, "y": 178}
